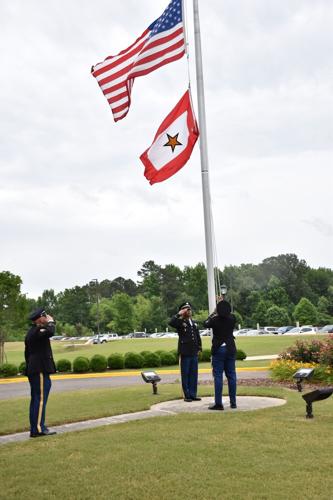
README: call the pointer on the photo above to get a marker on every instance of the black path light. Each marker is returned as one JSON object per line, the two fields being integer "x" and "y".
{"x": 151, "y": 378}
{"x": 224, "y": 290}
{"x": 302, "y": 374}
{"x": 312, "y": 397}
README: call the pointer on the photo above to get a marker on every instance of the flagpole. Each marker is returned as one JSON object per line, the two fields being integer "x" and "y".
{"x": 204, "y": 160}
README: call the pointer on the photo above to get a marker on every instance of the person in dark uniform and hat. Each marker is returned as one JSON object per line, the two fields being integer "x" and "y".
{"x": 189, "y": 346}
{"x": 222, "y": 321}
{"x": 39, "y": 365}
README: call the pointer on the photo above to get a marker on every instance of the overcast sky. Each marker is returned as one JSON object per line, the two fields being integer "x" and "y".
{"x": 74, "y": 204}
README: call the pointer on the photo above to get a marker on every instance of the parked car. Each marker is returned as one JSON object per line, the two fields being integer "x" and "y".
{"x": 284, "y": 329}
{"x": 242, "y": 331}
{"x": 303, "y": 330}
{"x": 138, "y": 335}
{"x": 254, "y": 332}
{"x": 57, "y": 337}
{"x": 157, "y": 335}
{"x": 169, "y": 335}
{"x": 205, "y": 333}
{"x": 105, "y": 337}
{"x": 269, "y": 329}
{"x": 326, "y": 329}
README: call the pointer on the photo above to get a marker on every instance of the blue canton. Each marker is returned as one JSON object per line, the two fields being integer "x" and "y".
{"x": 170, "y": 17}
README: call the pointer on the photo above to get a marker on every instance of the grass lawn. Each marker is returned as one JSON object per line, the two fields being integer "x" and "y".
{"x": 253, "y": 346}
{"x": 267, "y": 454}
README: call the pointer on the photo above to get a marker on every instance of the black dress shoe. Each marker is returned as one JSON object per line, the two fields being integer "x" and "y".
{"x": 233, "y": 405}
{"x": 216, "y": 407}
{"x": 188, "y": 400}
{"x": 43, "y": 433}
{"x": 196, "y": 399}
{"x": 47, "y": 432}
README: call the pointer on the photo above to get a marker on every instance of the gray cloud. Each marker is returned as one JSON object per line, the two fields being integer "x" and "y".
{"x": 74, "y": 204}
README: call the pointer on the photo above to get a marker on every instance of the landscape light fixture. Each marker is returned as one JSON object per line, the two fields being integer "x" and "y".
{"x": 224, "y": 290}
{"x": 302, "y": 374}
{"x": 151, "y": 378}
{"x": 313, "y": 396}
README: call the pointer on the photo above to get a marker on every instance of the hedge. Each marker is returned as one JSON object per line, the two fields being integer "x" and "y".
{"x": 116, "y": 361}
{"x": 81, "y": 364}
{"x": 151, "y": 359}
{"x": 63, "y": 365}
{"x": 133, "y": 360}
{"x": 8, "y": 370}
{"x": 98, "y": 363}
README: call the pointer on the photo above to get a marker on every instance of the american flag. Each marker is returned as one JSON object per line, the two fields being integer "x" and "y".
{"x": 161, "y": 43}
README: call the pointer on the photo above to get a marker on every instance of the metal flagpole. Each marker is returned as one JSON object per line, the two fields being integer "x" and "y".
{"x": 204, "y": 160}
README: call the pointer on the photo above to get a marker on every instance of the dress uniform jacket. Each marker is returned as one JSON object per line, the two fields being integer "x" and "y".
{"x": 189, "y": 340}
{"x": 38, "y": 352}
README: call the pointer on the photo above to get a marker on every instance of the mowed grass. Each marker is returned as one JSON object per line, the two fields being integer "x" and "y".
{"x": 253, "y": 346}
{"x": 266, "y": 454}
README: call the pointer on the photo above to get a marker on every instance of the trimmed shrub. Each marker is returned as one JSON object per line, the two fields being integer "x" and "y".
{"x": 144, "y": 353}
{"x": 160, "y": 351}
{"x": 133, "y": 360}
{"x": 81, "y": 364}
{"x": 205, "y": 355}
{"x": 151, "y": 359}
{"x": 63, "y": 365}
{"x": 240, "y": 355}
{"x": 116, "y": 361}
{"x": 168, "y": 359}
{"x": 22, "y": 368}
{"x": 8, "y": 370}
{"x": 98, "y": 363}
{"x": 174, "y": 352}
{"x": 303, "y": 351}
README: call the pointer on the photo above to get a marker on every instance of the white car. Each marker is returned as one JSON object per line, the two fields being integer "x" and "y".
{"x": 242, "y": 331}
{"x": 169, "y": 335}
{"x": 302, "y": 330}
{"x": 205, "y": 333}
{"x": 250, "y": 333}
{"x": 105, "y": 337}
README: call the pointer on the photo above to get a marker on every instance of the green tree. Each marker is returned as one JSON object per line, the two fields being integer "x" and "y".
{"x": 277, "y": 316}
{"x": 324, "y": 318}
{"x": 172, "y": 287}
{"x": 151, "y": 279}
{"x": 48, "y": 300}
{"x": 123, "y": 314}
{"x": 305, "y": 312}
{"x": 103, "y": 312}
{"x": 195, "y": 286}
{"x": 13, "y": 307}
{"x": 73, "y": 305}
{"x": 260, "y": 313}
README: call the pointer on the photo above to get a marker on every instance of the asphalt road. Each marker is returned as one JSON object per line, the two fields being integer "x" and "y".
{"x": 21, "y": 389}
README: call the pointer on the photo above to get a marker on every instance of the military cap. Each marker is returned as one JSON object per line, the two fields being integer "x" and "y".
{"x": 37, "y": 314}
{"x": 185, "y": 305}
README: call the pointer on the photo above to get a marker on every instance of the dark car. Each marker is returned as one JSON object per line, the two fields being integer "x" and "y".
{"x": 138, "y": 335}
{"x": 284, "y": 329}
{"x": 326, "y": 329}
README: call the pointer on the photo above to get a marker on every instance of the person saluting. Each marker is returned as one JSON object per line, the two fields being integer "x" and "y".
{"x": 39, "y": 365}
{"x": 189, "y": 346}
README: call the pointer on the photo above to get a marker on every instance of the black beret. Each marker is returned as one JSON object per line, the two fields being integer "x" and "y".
{"x": 186, "y": 305}
{"x": 37, "y": 314}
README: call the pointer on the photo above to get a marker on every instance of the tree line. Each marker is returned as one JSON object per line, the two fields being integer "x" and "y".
{"x": 278, "y": 291}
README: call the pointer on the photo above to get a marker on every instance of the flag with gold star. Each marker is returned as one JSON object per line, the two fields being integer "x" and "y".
{"x": 173, "y": 142}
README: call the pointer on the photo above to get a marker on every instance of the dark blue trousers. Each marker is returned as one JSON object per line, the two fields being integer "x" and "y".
{"x": 40, "y": 385}
{"x": 224, "y": 362}
{"x": 189, "y": 372}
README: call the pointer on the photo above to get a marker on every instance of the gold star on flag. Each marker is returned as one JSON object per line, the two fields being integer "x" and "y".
{"x": 173, "y": 141}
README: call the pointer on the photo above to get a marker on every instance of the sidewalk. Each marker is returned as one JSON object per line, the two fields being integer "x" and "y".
{"x": 168, "y": 408}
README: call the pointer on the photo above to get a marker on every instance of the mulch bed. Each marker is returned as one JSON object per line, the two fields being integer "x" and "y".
{"x": 267, "y": 382}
